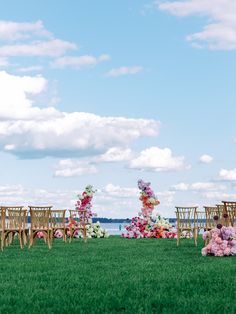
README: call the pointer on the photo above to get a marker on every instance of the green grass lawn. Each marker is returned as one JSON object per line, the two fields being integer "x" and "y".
{"x": 116, "y": 275}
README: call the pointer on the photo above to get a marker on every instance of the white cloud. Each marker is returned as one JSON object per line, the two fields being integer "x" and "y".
{"x": 219, "y": 196}
{"x": 50, "y": 48}
{"x": 118, "y": 191}
{"x": 14, "y": 31}
{"x": 180, "y": 187}
{"x": 78, "y": 62}
{"x": 206, "y": 159}
{"x": 19, "y": 104}
{"x": 198, "y": 186}
{"x": 157, "y": 159}
{"x": 58, "y": 133}
{"x": 124, "y": 71}
{"x": 115, "y": 154}
{"x": 33, "y": 68}
{"x": 73, "y": 167}
{"x": 70, "y": 168}
{"x": 220, "y": 31}
{"x": 228, "y": 175}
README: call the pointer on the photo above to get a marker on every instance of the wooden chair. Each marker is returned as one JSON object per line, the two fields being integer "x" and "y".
{"x": 16, "y": 224}
{"x": 213, "y": 217}
{"x": 2, "y": 225}
{"x": 229, "y": 214}
{"x": 187, "y": 221}
{"x": 40, "y": 222}
{"x": 58, "y": 222}
{"x": 78, "y": 222}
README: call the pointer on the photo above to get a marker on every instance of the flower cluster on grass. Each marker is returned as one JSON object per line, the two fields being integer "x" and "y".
{"x": 147, "y": 225}
{"x": 222, "y": 241}
{"x": 93, "y": 230}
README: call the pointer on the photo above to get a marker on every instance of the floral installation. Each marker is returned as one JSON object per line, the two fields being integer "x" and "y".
{"x": 222, "y": 241}
{"x": 84, "y": 203}
{"x": 84, "y": 208}
{"x": 147, "y": 225}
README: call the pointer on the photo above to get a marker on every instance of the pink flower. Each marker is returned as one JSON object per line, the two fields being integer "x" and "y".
{"x": 227, "y": 251}
{"x": 40, "y": 234}
{"x": 219, "y": 253}
{"x": 218, "y": 240}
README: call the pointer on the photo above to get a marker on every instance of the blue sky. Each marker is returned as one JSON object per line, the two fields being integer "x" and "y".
{"x": 107, "y": 92}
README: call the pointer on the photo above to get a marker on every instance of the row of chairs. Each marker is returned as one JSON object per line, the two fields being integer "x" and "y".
{"x": 14, "y": 221}
{"x": 191, "y": 220}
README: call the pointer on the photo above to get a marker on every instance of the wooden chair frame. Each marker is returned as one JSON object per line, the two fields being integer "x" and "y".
{"x": 81, "y": 219}
{"x": 229, "y": 214}
{"x": 41, "y": 222}
{"x": 187, "y": 221}
{"x": 17, "y": 224}
{"x": 212, "y": 212}
{"x": 58, "y": 221}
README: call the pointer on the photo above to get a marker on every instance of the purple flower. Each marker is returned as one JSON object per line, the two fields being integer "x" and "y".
{"x": 215, "y": 217}
{"x": 226, "y": 216}
{"x": 219, "y": 226}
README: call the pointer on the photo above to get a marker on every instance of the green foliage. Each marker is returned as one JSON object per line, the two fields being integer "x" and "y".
{"x": 116, "y": 275}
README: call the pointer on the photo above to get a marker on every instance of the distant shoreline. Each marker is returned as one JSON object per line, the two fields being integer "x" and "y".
{"x": 121, "y": 220}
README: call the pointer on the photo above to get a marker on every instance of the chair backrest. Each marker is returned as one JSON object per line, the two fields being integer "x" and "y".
{"x": 40, "y": 217}
{"x": 229, "y": 214}
{"x": 17, "y": 219}
{"x": 186, "y": 217}
{"x": 58, "y": 217}
{"x": 213, "y": 216}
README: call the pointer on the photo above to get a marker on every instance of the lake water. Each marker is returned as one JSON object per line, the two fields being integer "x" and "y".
{"x": 114, "y": 228}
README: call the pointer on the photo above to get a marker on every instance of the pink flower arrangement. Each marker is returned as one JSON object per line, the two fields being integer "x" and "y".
{"x": 84, "y": 203}
{"x": 144, "y": 225}
{"x": 222, "y": 241}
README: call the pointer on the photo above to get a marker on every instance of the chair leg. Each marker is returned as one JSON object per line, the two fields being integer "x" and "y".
{"x": 178, "y": 237}
{"x": 21, "y": 239}
{"x": 49, "y": 240}
{"x": 195, "y": 237}
{"x": 31, "y": 239}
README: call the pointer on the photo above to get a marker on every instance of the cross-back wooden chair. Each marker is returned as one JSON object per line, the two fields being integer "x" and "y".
{"x": 229, "y": 214}
{"x": 2, "y": 225}
{"x": 78, "y": 222}
{"x": 187, "y": 221}
{"x": 40, "y": 222}
{"x": 15, "y": 224}
{"x": 213, "y": 217}
{"x": 58, "y": 221}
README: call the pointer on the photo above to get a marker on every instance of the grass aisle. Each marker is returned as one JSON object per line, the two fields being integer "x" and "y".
{"x": 116, "y": 275}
